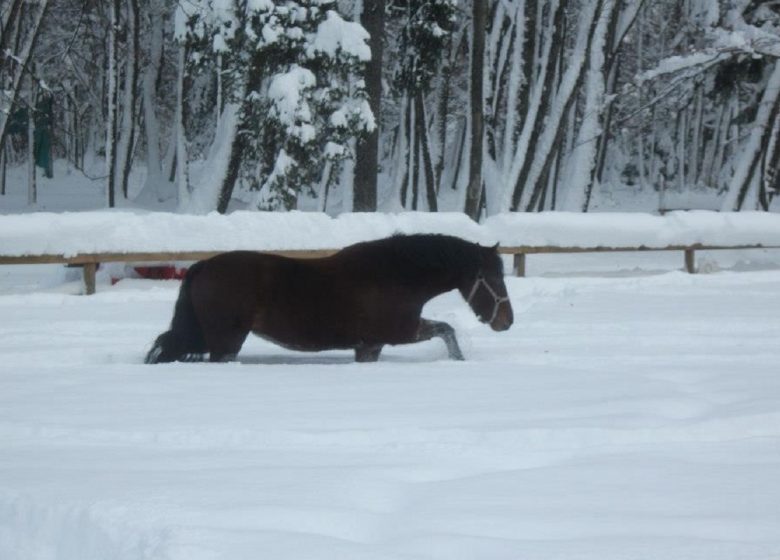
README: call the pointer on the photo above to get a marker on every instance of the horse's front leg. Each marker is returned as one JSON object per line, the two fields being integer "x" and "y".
{"x": 429, "y": 329}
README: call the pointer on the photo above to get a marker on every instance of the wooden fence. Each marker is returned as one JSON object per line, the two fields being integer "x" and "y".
{"x": 689, "y": 252}
{"x": 90, "y": 262}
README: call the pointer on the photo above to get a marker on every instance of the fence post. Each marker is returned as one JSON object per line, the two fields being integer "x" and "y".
{"x": 90, "y": 270}
{"x": 519, "y": 264}
{"x": 690, "y": 261}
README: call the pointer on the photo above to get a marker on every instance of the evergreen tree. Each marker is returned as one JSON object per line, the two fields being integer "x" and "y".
{"x": 289, "y": 68}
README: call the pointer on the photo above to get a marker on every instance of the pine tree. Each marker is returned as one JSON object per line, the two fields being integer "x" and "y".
{"x": 288, "y": 68}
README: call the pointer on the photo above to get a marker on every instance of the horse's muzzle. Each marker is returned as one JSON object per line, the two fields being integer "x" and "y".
{"x": 504, "y": 317}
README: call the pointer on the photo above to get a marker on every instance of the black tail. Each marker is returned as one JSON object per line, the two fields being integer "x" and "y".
{"x": 185, "y": 339}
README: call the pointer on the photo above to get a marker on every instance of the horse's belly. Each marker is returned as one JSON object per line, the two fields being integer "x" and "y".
{"x": 307, "y": 339}
{"x": 304, "y": 345}
{"x": 327, "y": 326}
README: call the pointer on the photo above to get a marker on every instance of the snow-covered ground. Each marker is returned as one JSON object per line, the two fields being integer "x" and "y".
{"x": 632, "y": 412}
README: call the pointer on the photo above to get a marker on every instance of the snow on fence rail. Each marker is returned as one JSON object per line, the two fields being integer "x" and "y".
{"x": 88, "y": 238}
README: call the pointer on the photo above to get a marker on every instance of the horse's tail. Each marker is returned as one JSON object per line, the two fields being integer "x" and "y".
{"x": 185, "y": 337}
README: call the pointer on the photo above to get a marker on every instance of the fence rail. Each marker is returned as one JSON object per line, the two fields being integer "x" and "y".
{"x": 689, "y": 251}
{"x": 90, "y": 261}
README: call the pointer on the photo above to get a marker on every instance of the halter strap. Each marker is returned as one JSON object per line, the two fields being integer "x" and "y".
{"x": 497, "y": 299}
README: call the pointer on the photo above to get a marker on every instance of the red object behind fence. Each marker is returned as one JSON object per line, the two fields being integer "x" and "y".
{"x": 166, "y": 272}
{"x": 155, "y": 272}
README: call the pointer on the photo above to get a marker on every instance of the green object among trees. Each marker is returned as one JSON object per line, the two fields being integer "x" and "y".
{"x": 42, "y": 137}
{"x": 44, "y": 115}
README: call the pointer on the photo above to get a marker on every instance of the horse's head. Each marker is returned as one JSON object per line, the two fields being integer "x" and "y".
{"x": 486, "y": 293}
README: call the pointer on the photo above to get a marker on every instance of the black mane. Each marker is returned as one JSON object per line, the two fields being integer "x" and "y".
{"x": 401, "y": 256}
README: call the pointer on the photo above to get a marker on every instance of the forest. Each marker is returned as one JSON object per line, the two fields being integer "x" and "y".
{"x": 481, "y": 107}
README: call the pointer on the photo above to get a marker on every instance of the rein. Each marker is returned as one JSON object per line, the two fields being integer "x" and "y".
{"x": 497, "y": 299}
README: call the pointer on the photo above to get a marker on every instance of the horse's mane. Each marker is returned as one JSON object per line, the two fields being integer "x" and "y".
{"x": 403, "y": 257}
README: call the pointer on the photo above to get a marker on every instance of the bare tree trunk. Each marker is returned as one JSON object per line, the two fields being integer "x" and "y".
{"x": 682, "y": 133}
{"x": 407, "y": 138}
{"x": 518, "y": 81}
{"x": 459, "y": 154}
{"x": 529, "y": 52}
{"x": 233, "y": 167}
{"x": 604, "y": 137}
{"x": 497, "y": 45}
{"x": 759, "y": 158}
{"x": 220, "y": 87}
{"x": 538, "y": 107}
{"x": 698, "y": 129}
{"x": 770, "y": 186}
{"x": 154, "y": 174}
{"x": 653, "y": 143}
{"x": 126, "y": 135}
{"x": 442, "y": 109}
{"x": 111, "y": 113}
{"x": 325, "y": 186}
{"x": 415, "y": 146}
{"x": 69, "y": 128}
{"x": 241, "y": 137}
{"x": 32, "y": 187}
{"x": 707, "y": 175}
{"x": 11, "y": 30}
{"x": 559, "y": 161}
{"x": 367, "y": 156}
{"x": 593, "y": 134}
{"x": 10, "y": 14}
{"x": 640, "y": 100}
{"x": 3, "y": 167}
{"x": 182, "y": 176}
{"x": 422, "y": 134}
{"x": 474, "y": 188}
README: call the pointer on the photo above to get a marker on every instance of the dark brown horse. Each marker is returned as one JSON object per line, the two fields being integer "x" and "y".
{"x": 363, "y": 297}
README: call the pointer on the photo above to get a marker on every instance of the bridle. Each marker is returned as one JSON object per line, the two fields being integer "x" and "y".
{"x": 497, "y": 299}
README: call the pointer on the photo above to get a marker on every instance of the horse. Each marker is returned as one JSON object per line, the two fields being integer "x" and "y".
{"x": 362, "y": 298}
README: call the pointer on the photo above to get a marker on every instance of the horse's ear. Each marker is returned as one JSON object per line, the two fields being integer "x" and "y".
{"x": 495, "y": 247}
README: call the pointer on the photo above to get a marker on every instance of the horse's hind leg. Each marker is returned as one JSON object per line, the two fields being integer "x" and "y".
{"x": 429, "y": 329}
{"x": 368, "y": 353}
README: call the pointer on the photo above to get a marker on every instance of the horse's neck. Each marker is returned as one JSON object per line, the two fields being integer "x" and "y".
{"x": 440, "y": 284}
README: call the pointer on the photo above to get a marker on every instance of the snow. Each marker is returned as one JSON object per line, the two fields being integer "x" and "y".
{"x": 625, "y": 415}
{"x": 359, "y": 109}
{"x": 120, "y": 231}
{"x": 677, "y": 63}
{"x": 286, "y": 93}
{"x": 219, "y": 45}
{"x": 336, "y": 34}
{"x": 260, "y": 5}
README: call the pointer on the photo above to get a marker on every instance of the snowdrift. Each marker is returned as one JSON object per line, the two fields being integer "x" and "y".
{"x": 124, "y": 231}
